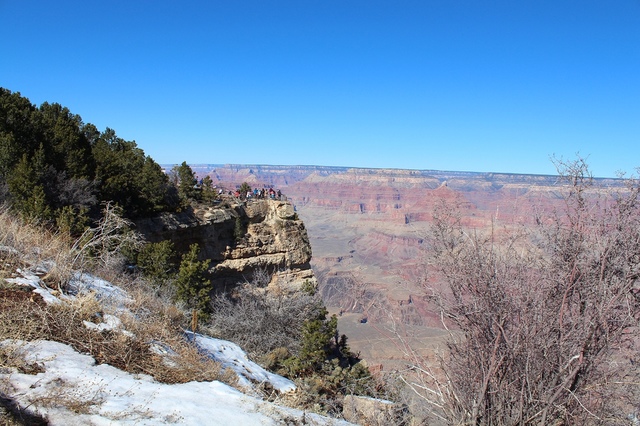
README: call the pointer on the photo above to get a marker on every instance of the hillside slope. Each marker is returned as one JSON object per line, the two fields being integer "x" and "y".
{"x": 78, "y": 349}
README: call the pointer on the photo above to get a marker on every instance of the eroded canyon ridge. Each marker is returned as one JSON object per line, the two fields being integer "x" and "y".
{"x": 368, "y": 230}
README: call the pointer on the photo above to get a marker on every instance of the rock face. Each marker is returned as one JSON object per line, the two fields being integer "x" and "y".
{"x": 240, "y": 238}
{"x": 370, "y": 230}
{"x": 369, "y": 411}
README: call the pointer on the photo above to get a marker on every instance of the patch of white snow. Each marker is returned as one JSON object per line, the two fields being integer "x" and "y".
{"x": 72, "y": 390}
{"x": 231, "y": 356}
{"x": 29, "y": 279}
{"x": 82, "y": 283}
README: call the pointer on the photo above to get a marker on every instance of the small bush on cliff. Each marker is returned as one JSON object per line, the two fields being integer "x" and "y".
{"x": 192, "y": 285}
{"x": 288, "y": 332}
{"x": 157, "y": 262}
{"x": 325, "y": 368}
{"x": 239, "y": 230}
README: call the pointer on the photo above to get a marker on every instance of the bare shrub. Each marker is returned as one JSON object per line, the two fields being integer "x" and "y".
{"x": 31, "y": 246}
{"x": 261, "y": 320}
{"x": 545, "y": 318}
{"x": 154, "y": 319}
{"x": 103, "y": 245}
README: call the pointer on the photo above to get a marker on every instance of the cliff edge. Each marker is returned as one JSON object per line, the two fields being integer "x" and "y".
{"x": 239, "y": 238}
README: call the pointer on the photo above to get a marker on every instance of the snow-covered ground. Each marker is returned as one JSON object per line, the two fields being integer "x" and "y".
{"x": 231, "y": 356}
{"x": 70, "y": 389}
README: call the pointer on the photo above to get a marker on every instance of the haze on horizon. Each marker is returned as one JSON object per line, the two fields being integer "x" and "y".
{"x": 495, "y": 86}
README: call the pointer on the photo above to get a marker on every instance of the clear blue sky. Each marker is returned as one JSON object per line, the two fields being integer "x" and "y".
{"x": 449, "y": 84}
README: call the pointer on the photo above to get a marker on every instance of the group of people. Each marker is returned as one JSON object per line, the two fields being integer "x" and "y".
{"x": 264, "y": 193}
{"x": 258, "y": 194}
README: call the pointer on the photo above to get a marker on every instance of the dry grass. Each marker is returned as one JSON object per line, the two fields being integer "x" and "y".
{"x": 24, "y": 245}
{"x": 24, "y": 316}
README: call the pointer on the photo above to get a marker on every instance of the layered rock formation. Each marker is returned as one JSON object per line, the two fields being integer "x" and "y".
{"x": 240, "y": 238}
{"x": 369, "y": 229}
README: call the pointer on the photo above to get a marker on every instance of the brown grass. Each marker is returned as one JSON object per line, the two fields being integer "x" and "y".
{"x": 25, "y": 245}
{"x": 24, "y": 316}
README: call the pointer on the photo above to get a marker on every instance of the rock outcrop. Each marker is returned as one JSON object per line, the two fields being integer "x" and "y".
{"x": 240, "y": 238}
{"x": 370, "y": 228}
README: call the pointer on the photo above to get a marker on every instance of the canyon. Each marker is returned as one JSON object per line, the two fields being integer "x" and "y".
{"x": 369, "y": 232}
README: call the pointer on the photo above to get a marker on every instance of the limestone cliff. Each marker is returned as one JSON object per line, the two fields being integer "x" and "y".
{"x": 239, "y": 238}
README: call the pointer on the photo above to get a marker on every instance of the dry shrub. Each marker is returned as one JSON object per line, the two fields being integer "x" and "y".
{"x": 69, "y": 396}
{"x": 30, "y": 245}
{"x": 154, "y": 318}
{"x": 27, "y": 319}
{"x": 19, "y": 315}
{"x": 260, "y": 320}
{"x": 23, "y": 314}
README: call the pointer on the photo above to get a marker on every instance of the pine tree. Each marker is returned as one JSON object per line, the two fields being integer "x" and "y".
{"x": 27, "y": 194}
{"x": 186, "y": 181}
{"x": 192, "y": 285}
{"x": 156, "y": 260}
{"x": 208, "y": 191}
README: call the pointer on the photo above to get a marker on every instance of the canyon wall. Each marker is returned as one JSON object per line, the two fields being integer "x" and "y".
{"x": 239, "y": 238}
{"x": 369, "y": 230}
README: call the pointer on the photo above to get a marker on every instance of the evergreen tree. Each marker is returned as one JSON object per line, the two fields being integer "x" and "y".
{"x": 69, "y": 149}
{"x": 27, "y": 195}
{"x": 244, "y": 189}
{"x": 316, "y": 341}
{"x": 72, "y": 221}
{"x": 155, "y": 188}
{"x": 192, "y": 285}
{"x": 20, "y": 130}
{"x": 186, "y": 180}
{"x": 208, "y": 191}
{"x": 239, "y": 230}
{"x": 156, "y": 260}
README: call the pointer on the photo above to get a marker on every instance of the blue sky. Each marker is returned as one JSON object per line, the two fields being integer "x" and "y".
{"x": 449, "y": 85}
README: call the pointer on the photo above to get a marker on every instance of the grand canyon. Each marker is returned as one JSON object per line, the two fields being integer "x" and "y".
{"x": 369, "y": 229}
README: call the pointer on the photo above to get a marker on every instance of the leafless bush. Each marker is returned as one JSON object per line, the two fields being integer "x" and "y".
{"x": 23, "y": 245}
{"x": 545, "y": 317}
{"x": 103, "y": 245}
{"x": 261, "y": 320}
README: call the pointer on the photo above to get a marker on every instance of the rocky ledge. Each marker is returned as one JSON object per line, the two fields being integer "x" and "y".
{"x": 239, "y": 238}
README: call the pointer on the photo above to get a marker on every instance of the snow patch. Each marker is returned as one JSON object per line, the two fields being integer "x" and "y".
{"x": 109, "y": 323}
{"x": 107, "y": 293}
{"x": 231, "y": 356}
{"x": 72, "y": 390}
{"x": 29, "y": 279}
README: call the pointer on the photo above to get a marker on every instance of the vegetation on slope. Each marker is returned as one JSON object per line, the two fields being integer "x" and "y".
{"x": 68, "y": 191}
{"x": 544, "y": 319}
{"x": 57, "y": 169}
